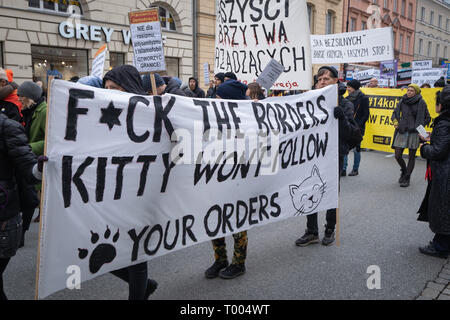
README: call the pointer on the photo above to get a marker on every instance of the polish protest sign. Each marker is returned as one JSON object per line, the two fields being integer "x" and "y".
{"x": 422, "y": 65}
{"x": 147, "y": 41}
{"x": 429, "y": 76}
{"x": 359, "y": 46}
{"x": 250, "y": 34}
{"x": 382, "y": 102}
{"x": 131, "y": 178}
{"x": 98, "y": 64}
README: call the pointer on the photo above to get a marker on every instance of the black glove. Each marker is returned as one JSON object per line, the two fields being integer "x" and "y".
{"x": 41, "y": 160}
{"x": 338, "y": 113}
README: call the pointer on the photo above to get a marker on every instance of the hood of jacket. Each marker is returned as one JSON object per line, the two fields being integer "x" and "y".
{"x": 172, "y": 85}
{"x": 127, "y": 77}
{"x": 196, "y": 83}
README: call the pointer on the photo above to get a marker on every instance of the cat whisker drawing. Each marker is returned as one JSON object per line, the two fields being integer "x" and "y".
{"x": 307, "y": 196}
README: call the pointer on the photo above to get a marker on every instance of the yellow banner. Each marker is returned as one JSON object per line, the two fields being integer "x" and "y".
{"x": 379, "y": 128}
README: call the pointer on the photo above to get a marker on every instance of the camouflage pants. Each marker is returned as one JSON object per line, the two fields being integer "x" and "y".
{"x": 240, "y": 248}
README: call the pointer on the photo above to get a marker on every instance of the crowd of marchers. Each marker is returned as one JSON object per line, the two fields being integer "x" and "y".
{"x": 22, "y": 138}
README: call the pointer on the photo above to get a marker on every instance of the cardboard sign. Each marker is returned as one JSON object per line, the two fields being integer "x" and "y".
{"x": 270, "y": 74}
{"x": 359, "y": 46}
{"x": 98, "y": 64}
{"x": 148, "y": 49}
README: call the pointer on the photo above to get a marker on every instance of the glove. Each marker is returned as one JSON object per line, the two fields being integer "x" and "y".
{"x": 338, "y": 113}
{"x": 40, "y": 164}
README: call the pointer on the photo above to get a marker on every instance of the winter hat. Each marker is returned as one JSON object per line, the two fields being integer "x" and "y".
{"x": 30, "y": 90}
{"x": 127, "y": 77}
{"x": 232, "y": 90}
{"x": 415, "y": 87}
{"x": 220, "y": 76}
{"x": 3, "y": 75}
{"x": 333, "y": 70}
{"x": 445, "y": 98}
{"x": 230, "y": 75}
{"x": 148, "y": 83}
{"x": 92, "y": 81}
{"x": 355, "y": 84}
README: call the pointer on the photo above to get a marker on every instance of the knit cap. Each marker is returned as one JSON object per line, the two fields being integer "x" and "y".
{"x": 30, "y": 90}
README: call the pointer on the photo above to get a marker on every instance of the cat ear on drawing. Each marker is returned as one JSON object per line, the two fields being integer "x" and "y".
{"x": 293, "y": 189}
{"x": 315, "y": 171}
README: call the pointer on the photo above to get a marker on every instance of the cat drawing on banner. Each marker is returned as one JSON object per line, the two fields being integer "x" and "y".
{"x": 307, "y": 196}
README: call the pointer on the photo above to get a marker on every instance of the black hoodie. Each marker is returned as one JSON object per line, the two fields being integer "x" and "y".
{"x": 197, "y": 92}
{"x": 127, "y": 77}
{"x": 173, "y": 87}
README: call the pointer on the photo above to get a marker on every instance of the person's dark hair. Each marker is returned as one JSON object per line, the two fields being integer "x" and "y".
{"x": 440, "y": 83}
{"x": 256, "y": 91}
{"x": 425, "y": 85}
{"x": 74, "y": 79}
{"x": 333, "y": 72}
{"x": 444, "y": 98}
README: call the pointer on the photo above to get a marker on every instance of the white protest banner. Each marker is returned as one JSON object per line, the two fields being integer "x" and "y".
{"x": 206, "y": 73}
{"x": 98, "y": 64}
{"x": 429, "y": 76}
{"x": 250, "y": 34}
{"x": 270, "y": 74}
{"x": 422, "y": 65}
{"x": 359, "y": 46}
{"x": 118, "y": 192}
{"x": 147, "y": 41}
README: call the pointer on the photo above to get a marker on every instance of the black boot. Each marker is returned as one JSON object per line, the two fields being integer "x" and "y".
{"x": 402, "y": 175}
{"x": 405, "y": 182}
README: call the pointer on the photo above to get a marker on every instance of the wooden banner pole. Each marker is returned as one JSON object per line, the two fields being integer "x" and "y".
{"x": 153, "y": 82}
{"x": 41, "y": 204}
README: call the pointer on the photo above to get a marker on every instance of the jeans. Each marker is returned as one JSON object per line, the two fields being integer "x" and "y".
{"x": 356, "y": 160}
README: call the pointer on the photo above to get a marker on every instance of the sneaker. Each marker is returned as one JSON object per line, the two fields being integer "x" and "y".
{"x": 343, "y": 173}
{"x": 430, "y": 250}
{"x": 328, "y": 238}
{"x": 213, "y": 271}
{"x": 151, "y": 287}
{"x": 307, "y": 239}
{"x": 232, "y": 271}
{"x": 405, "y": 182}
{"x": 353, "y": 173}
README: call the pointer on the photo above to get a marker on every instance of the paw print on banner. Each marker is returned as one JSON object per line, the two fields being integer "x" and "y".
{"x": 102, "y": 253}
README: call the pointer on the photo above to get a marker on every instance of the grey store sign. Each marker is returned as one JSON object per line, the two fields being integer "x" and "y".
{"x": 90, "y": 33}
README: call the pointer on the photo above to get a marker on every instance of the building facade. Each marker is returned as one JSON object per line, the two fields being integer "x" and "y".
{"x": 398, "y": 14}
{"x": 64, "y": 35}
{"x": 206, "y": 33}
{"x": 432, "y": 40}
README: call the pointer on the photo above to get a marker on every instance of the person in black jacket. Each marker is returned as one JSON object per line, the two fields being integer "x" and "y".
{"x": 411, "y": 112}
{"x": 344, "y": 112}
{"x": 436, "y": 204}
{"x": 218, "y": 80}
{"x": 163, "y": 85}
{"x": 16, "y": 159}
{"x": 193, "y": 90}
{"x": 126, "y": 78}
{"x": 361, "y": 106}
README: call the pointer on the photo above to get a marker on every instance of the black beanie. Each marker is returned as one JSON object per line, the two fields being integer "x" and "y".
{"x": 232, "y": 90}
{"x": 220, "y": 76}
{"x": 355, "y": 84}
{"x": 230, "y": 75}
{"x": 333, "y": 71}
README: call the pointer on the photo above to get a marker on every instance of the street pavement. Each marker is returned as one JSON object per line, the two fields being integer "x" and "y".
{"x": 378, "y": 227}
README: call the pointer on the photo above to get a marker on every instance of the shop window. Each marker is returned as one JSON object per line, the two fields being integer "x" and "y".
{"x": 116, "y": 59}
{"x": 60, "y": 62}
{"x": 167, "y": 20}
{"x": 172, "y": 67}
{"x": 68, "y": 7}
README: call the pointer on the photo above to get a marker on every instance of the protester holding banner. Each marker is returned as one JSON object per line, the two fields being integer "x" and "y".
{"x": 436, "y": 205}
{"x": 344, "y": 112}
{"x": 361, "y": 106}
{"x": 126, "y": 78}
{"x": 16, "y": 159}
{"x": 229, "y": 90}
{"x": 410, "y": 113}
{"x": 218, "y": 80}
